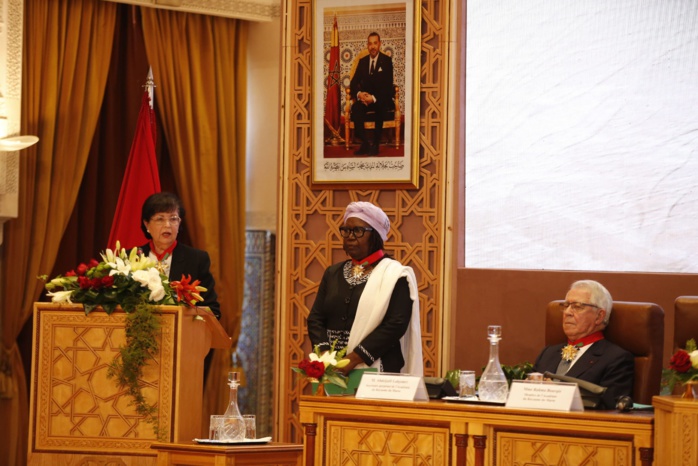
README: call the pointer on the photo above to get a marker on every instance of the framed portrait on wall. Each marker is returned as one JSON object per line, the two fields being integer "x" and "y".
{"x": 365, "y": 78}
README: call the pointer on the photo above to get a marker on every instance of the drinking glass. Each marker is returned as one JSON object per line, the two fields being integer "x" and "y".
{"x": 250, "y": 426}
{"x": 466, "y": 384}
{"x": 215, "y": 427}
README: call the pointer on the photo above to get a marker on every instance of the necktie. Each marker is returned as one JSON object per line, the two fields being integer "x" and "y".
{"x": 563, "y": 367}
{"x": 373, "y": 67}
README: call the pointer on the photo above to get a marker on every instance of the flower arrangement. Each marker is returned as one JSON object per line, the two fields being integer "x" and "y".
{"x": 134, "y": 282}
{"x": 121, "y": 279}
{"x": 683, "y": 367}
{"x": 322, "y": 368}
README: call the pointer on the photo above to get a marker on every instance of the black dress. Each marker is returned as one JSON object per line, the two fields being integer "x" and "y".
{"x": 334, "y": 310}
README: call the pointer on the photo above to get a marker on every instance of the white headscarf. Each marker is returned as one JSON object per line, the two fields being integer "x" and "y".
{"x": 370, "y": 214}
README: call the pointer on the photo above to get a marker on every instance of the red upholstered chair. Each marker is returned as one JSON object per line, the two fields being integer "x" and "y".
{"x": 685, "y": 320}
{"x": 636, "y": 327}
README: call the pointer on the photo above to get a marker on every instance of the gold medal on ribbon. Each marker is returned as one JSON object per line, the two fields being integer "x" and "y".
{"x": 357, "y": 271}
{"x": 569, "y": 352}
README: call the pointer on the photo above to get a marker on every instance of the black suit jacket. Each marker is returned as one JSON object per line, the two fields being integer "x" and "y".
{"x": 187, "y": 260}
{"x": 379, "y": 84}
{"x": 604, "y": 364}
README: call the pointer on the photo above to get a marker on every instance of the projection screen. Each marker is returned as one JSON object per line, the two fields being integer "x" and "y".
{"x": 582, "y": 135}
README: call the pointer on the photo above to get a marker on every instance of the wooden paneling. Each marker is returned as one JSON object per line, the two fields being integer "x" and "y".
{"x": 77, "y": 412}
{"x": 676, "y": 427}
{"x": 309, "y": 219}
{"x": 371, "y": 432}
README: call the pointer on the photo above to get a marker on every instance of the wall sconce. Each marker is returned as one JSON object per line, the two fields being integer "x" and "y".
{"x": 14, "y": 143}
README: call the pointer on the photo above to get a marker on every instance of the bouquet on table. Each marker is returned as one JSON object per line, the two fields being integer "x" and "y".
{"x": 322, "y": 368}
{"x": 683, "y": 367}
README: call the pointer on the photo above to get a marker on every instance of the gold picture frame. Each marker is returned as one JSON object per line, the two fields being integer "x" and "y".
{"x": 341, "y": 33}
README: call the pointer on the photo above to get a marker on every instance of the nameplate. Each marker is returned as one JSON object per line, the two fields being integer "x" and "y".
{"x": 382, "y": 386}
{"x": 551, "y": 396}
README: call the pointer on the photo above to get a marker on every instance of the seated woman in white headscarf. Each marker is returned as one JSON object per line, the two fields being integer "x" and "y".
{"x": 369, "y": 303}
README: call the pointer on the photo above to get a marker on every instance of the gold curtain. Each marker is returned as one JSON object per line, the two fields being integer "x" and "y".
{"x": 199, "y": 64}
{"x": 67, "y": 45}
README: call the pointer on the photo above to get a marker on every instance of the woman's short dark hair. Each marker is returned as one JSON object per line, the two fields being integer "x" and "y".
{"x": 375, "y": 242}
{"x": 158, "y": 203}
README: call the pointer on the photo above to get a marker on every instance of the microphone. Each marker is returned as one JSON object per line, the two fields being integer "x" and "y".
{"x": 624, "y": 403}
{"x": 590, "y": 392}
{"x": 583, "y": 384}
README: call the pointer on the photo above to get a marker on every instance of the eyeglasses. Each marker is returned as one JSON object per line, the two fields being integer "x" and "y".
{"x": 357, "y": 231}
{"x": 577, "y": 307}
{"x": 161, "y": 220}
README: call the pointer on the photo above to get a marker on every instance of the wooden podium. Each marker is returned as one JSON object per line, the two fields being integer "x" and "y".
{"x": 79, "y": 416}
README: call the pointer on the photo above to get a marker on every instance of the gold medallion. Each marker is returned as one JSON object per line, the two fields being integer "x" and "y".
{"x": 357, "y": 271}
{"x": 569, "y": 352}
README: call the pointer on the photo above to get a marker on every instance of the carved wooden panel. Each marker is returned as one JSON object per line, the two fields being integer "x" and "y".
{"x": 308, "y": 236}
{"x": 676, "y": 430}
{"x": 76, "y": 406}
{"x": 357, "y": 444}
{"x": 519, "y": 449}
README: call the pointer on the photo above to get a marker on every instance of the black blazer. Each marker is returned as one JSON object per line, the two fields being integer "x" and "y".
{"x": 604, "y": 364}
{"x": 187, "y": 260}
{"x": 378, "y": 84}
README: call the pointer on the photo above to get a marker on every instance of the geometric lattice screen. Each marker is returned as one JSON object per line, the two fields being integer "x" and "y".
{"x": 309, "y": 240}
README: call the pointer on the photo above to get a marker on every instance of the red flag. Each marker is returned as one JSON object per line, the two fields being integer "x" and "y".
{"x": 332, "y": 110}
{"x": 140, "y": 181}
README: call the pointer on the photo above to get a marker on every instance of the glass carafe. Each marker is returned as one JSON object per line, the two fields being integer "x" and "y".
{"x": 493, "y": 383}
{"x": 234, "y": 425}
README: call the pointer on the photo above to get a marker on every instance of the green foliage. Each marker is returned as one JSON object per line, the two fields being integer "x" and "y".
{"x": 517, "y": 372}
{"x": 142, "y": 329}
{"x": 453, "y": 376}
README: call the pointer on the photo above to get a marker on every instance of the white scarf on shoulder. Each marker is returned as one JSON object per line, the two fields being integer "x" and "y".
{"x": 373, "y": 305}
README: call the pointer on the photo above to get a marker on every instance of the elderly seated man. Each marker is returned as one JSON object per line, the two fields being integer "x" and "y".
{"x": 587, "y": 355}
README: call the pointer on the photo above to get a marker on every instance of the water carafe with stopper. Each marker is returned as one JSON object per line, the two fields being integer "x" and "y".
{"x": 493, "y": 384}
{"x": 234, "y": 425}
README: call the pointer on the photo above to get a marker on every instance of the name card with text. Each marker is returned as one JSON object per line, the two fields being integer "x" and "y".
{"x": 381, "y": 386}
{"x": 551, "y": 396}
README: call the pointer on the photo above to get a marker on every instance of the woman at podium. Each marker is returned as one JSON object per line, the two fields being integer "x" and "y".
{"x": 162, "y": 216}
{"x": 368, "y": 303}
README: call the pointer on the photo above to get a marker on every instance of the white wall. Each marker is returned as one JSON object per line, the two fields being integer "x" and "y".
{"x": 263, "y": 84}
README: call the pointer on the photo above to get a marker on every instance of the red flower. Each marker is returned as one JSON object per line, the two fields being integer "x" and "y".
{"x": 70, "y": 274}
{"x": 96, "y": 283}
{"x": 84, "y": 282}
{"x": 82, "y": 269}
{"x": 315, "y": 369}
{"x": 303, "y": 365}
{"x": 187, "y": 292}
{"x": 107, "y": 281}
{"x": 93, "y": 263}
{"x": 680, "y": 361}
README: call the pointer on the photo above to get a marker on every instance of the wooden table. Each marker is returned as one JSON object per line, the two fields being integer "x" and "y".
{"x": 339, "y": 430}
{"x": 676, "y": 430}
{"x": 190, "y": 453}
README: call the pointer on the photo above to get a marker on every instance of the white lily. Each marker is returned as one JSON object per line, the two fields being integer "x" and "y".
{"x": 341, "y": 363}
{"x": 61, "y": 296}
{"x": 151, "y": 279}
{"x": 327, "y": 358}
{"x": 119, "y": 267}
{"x": 141, "y": 262}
